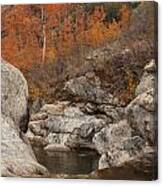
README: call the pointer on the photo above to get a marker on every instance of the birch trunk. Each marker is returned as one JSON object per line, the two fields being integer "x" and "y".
{"x": 44, "y": 35}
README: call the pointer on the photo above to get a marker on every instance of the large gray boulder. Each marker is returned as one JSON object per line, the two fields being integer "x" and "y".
{"x": 14, "y": 94}
{"x": 112, "y": 136}
{"x": 16, "y": 154}
{"x": 116, "y": 144}
{"x": 17, "y": 158}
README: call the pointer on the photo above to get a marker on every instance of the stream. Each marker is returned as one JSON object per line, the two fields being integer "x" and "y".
{"x": 72, "y": 164}
{"x": 84, "y": 164}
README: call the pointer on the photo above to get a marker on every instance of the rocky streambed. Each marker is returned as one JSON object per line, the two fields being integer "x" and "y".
{"x": 83, "y": 164}
{"x": 99, "y": 123}
{"x": 89, "y": 133}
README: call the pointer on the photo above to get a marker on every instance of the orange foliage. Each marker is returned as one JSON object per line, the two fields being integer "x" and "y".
{"x": 62, "y": 26}
{"x": 125, "y": 16}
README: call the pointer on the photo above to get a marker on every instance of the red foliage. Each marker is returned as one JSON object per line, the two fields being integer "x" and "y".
{"x": 40, "y": 33}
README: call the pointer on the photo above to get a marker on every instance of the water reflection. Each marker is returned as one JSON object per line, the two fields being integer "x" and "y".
{"x": 76, "y": 162}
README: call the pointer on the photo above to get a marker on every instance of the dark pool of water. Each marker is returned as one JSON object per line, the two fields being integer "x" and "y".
{"x": 76, "y": 162}
{"x": 84, "y": 164}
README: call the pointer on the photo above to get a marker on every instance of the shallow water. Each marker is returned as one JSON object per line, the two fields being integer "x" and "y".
{"x": 84, "y": 164}
{"x": 75, "y": 162}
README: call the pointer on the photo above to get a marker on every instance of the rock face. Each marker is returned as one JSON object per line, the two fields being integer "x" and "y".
{"x": 133, "y": 137}
{"x": 142, "y": 116}
{"x": 17, "y": 156}
{"x": 140, "y": 168}
{"x": 64, "y": 125}
{"x": 88, "y": 88}
{"x": 75, "y": 122}
{"x": 112, "y": 136}
{"x": 142, "y": 111}
{"x": 94, "y": 119}
{"x": 148, "y": 79}
{"x": 117, "y": 145}
{"x": 14, "y": 95}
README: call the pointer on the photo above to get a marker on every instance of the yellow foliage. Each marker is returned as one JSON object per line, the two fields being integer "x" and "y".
{"x": 131, "y": 83}
{"x": 125, "y": 16}
{"x": 113, "y": 30}
{"x": 35, "y": 92}
{"x": 51, "y": 55}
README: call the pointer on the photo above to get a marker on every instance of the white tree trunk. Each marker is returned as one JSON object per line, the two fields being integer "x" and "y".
{"x": 44, "y": 34}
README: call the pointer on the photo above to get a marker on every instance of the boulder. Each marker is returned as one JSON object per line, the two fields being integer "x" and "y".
{"x": 88, "y": 89}
{"x": 17, "y": 156}
{"x": 124, "y": 151}
{"x": 128, "y": 139}
{"x": 116, "y": 144}
{"x": 56, "y": 147}
{"x": 65, "y": 125}
{"x": 14, "y": 95}
{"x": 112, "y": 136}
{"x": 144, "y": 167}
{"x": 142, "y": 111}
{"x": 111, "y": 113}
{"x": 39, "y": 116}
{"x": 141, "y": 114}
{"x": 148, "y": 79}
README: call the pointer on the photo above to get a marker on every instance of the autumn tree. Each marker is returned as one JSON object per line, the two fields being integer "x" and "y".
{"x": 44, "y": 33}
